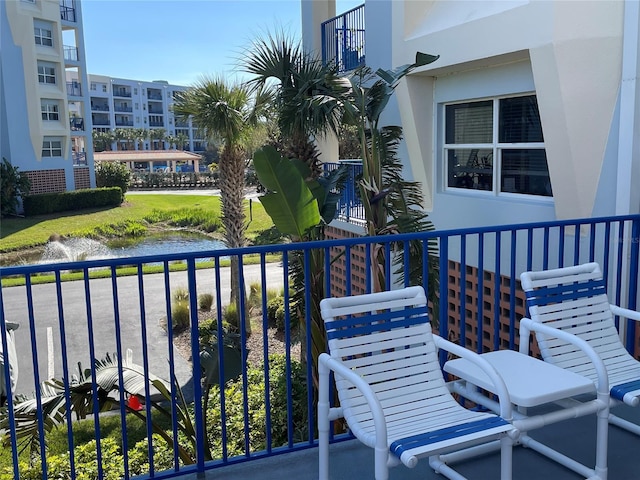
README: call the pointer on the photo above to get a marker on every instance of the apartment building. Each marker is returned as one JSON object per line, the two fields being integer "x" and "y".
{"x": 44, "y": 101}
{"x": 118, "y": 103}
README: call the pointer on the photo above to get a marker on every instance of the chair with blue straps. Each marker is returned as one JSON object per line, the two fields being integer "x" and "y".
{"x": 574, "y": 300}
{"x": 391, "y": 389}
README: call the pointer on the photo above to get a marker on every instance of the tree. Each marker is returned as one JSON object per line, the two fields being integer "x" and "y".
{"x": 158, "y": 134}
{"x": 113, "y": 174}
{"x": 305, "y": 95}
{"x": 13, "y": 186}
{"x": 229, "y": 113}
{"x": 181, "y": 141}
{"x": 140, "y": 135}
{"x": 391, "y": 204}
{"x": 102, "y": 140}
{"x": 120, "y": 134}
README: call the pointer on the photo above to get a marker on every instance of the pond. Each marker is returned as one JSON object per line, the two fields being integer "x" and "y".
{"x": 75, "y": 249}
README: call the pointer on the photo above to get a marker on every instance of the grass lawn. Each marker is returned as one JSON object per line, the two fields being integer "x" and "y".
{"x": 20, "y": 233}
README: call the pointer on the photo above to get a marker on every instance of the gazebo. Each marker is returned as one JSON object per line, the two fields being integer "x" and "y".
{"x": 152, "y": 160}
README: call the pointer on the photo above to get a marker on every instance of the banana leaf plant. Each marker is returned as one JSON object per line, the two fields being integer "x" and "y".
{"x": 53, "y": 399}
{"x": 300, "y": 207}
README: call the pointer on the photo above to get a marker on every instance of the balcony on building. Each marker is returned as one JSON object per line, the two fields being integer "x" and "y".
{"x": 100, "y": 119}
{"x": 79, "y": 159}
{"x": 155, "y": 109}
{"x": 343, "y": 40}
{"x": 99, "y": 104}
{"x": 154, "y": 94}
{"x": 123, "y": 122}
{"x": 122, "y": 107}
{"x": 74, "y": 89}
{"x": 71, "y": 53}
{"x": 68, "y": 10}
{"x": 76, "y": 124}
{"x": 121, "y": 91}
{"x": 156, "y": 123}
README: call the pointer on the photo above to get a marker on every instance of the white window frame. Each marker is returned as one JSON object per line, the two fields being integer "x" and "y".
{"x": 495, "y": 149}
{"x": 50, "y": 109}
{"x": 47, "y": 73}
{"x": 43, "y": 34}
{"x": 51, "y": 147}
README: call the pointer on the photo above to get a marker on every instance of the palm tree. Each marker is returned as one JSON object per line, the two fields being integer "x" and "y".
{"x": 140, "y": 135}
{"x": 181, "y": 140}
{"x": 229, "y": 113}
{"x": 157, "y": 134}
{"x": 306, "y": 95}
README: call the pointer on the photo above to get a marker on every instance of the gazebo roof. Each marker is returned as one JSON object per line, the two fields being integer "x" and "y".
{"x": 146, "y": 156}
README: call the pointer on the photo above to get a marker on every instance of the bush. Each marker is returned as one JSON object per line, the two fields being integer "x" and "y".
{"x": 13, "y": 185}
{"x": 180, "y": 315}
{"x": 231, "y": 317}
{"x": 234, "y": 409}
{"x": 275, "y": 312}
{"x": 113, "y": 174}
{"x": 205, "y": 301}
{"x": 74, "y": 200}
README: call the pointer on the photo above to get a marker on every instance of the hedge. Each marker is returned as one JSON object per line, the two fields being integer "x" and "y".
{"x": 74, "y": 200}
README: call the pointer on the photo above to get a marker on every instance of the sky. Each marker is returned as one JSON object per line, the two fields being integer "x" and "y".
{"x": 180, "y": 40}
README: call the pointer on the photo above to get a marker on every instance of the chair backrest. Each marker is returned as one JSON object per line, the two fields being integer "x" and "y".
{"x": 386, "y": 338}
{"x": 574, "y": 299}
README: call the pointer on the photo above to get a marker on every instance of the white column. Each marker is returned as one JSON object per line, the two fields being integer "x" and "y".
{"x": 628, "y": 194}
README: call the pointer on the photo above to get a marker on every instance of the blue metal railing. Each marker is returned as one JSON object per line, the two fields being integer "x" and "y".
{"x": 62, "y": 323}
{"x": 343, "y": 40}
{"x": 350, "y": 208}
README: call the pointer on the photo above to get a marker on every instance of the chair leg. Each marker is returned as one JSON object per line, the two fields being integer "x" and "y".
{"x": 323, "y": 422}
{"x": 506, "y": 458}
{"x": 381, "y": 467}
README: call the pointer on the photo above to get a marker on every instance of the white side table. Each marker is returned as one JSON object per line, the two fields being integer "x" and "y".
{"x": 532, "y": 382}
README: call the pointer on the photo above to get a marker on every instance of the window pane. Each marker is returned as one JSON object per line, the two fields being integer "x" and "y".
{"x": 470, "y": 168}
{"x": 520, "y": 120}
{"x": 469, "y": 122}
{"x": 525, "y": 171}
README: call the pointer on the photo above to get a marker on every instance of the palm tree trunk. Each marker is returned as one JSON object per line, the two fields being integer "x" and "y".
{"x": 233, "y": 217}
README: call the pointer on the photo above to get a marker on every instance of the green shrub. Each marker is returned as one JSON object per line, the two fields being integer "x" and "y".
{"x": 231, "y": 317}
{"x": 113, "y": 174}
{"x": 180, "y": 294}
{"x": 13, "y": 185}
{"x": 86, "y": 463}
{"x": 162, "y": 456}
{"x": 205, "y": 301}
{"x": 74, "y": 200}
{"x": 257, "y": 414}
{"x": 186, "y": 217}
{"x": 275, "y": 312}
{"x": 180, "y": 315}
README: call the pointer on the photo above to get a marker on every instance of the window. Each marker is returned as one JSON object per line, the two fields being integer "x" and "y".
{"x": 496, "y": 145}
{"x": 104, "y": 87}
{"x": 93, "y": 86}
{"x": 49, "y": 109}
{"x": 135, "y": 91}
{"x": 51, "y": 147}
{"x": 43, "y": 34}
{"x": 46, "y": 73}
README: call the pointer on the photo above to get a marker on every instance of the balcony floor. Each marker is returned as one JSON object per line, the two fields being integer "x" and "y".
{"x": 352, "y": 461}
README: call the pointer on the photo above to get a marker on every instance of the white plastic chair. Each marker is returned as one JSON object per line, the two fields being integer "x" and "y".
{"x": 573, "y": 301}
{"x": 391, "y": 389}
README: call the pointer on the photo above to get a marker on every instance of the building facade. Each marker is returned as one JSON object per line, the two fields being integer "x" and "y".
{"x": 44, "y": 103}
{"x": 118, "y": 103}
{"x": 531, "y": 114}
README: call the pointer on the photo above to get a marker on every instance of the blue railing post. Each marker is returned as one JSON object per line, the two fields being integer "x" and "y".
{"x": 633, "y": 281}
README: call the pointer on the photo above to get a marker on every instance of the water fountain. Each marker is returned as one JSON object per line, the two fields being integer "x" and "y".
{"x": 74, "y": 249}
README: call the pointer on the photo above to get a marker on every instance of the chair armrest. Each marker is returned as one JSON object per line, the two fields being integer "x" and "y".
{"x": 327, "y": 363}
{"x": 496, "y": 379}
{"x": 527, "y": 325}
{"x": 625, "y": 312}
